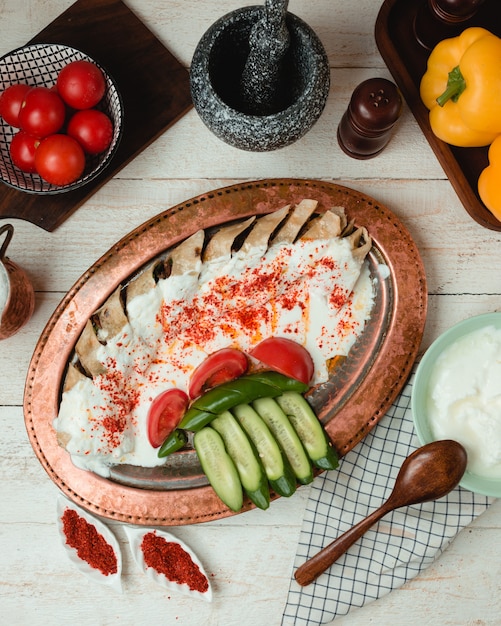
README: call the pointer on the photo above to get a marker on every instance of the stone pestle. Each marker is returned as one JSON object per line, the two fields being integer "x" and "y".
{"x": 262, "y": 82}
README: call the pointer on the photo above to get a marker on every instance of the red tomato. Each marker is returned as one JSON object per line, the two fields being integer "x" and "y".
{"x": 219, "y": 367}
{"x": 165, "y": 413}
{"x": 92, "y": 129}
{"x": 42, "y": 112}
{"x": 59, "y": 159}
{"x": 285, "y": 356}
{"x": 81, "y": 84}
{"x": 22, "y": 151}
{"x": 10, "y": 103}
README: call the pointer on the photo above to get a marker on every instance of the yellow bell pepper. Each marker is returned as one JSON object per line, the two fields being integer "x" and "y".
{"x": 463, "y": 79}
{"x": 489, "y": 188}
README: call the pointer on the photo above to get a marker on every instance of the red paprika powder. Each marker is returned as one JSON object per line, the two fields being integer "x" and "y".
{"x": 170, "y": 559}
{"x": 90, "y": 545}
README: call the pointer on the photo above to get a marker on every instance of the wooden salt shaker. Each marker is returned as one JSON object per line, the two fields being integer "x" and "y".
{"x": 366, "y": 126}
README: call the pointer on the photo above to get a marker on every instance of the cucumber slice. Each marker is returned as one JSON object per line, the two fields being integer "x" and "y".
{"x": 276, "y": 466}
{"x": 240, "y": 449}
{"x": 219, "y": 467}
{"x": 310, "y": 430}
{"x": 283, "y": 431}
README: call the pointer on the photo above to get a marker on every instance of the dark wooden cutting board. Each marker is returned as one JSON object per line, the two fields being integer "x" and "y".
{"x": 153, "y": 84}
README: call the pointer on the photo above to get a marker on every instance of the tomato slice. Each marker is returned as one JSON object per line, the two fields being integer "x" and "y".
{"x": 164, "y": 415}
{"x": 285, "y": 356}
{"x": 218, "y": 368}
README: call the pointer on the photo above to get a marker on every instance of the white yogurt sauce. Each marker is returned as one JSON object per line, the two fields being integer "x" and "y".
{"x": 4, "y": 289}
{"x": 465, "y": 398}
{"x": 314, "y": 292}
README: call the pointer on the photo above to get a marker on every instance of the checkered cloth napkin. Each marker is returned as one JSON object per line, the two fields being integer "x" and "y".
{"x": 394, "y": 551}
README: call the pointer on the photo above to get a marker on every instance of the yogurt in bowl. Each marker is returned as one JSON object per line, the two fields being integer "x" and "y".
{"x": 4, "y": 289}
{"x": 457, "y": 395}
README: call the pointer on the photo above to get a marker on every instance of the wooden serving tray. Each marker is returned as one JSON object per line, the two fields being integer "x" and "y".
{"x": 406, "y": 59}
{"x": 153, "y": 84}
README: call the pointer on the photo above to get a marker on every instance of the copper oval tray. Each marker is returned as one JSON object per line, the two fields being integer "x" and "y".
{"x": 349, "y": 408}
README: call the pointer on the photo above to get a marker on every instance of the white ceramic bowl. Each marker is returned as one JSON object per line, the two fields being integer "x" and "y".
{"x": 38, "y": 65}
{"x": 420, "y": 394}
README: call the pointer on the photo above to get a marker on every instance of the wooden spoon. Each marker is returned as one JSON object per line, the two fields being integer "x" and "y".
{"x": 429, "y": 473}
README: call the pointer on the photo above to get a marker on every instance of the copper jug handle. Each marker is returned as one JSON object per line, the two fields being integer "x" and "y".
{"x": 9, "y": 229}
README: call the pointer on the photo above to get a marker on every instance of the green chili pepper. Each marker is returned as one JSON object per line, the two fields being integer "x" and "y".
{"x": 223, "y": 397}
{"x": 276, "y": 379}
{"x": 195, "y": 419}
{"x": 175, "y": 441}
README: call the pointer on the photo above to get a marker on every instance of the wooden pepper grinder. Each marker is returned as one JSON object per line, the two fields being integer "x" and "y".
{"x": 365, "y": 128}
{"x": 439, "y": 19}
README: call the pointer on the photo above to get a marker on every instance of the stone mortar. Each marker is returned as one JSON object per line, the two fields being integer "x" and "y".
{"x": 215, "y": 74}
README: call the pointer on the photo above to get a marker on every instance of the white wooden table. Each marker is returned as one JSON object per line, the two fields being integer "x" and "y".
{"x": 250, "y": 556}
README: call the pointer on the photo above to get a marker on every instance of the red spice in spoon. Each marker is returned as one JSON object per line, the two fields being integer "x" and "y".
{"x": 170, "y": 559}
{"x": 90, "y": 545}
